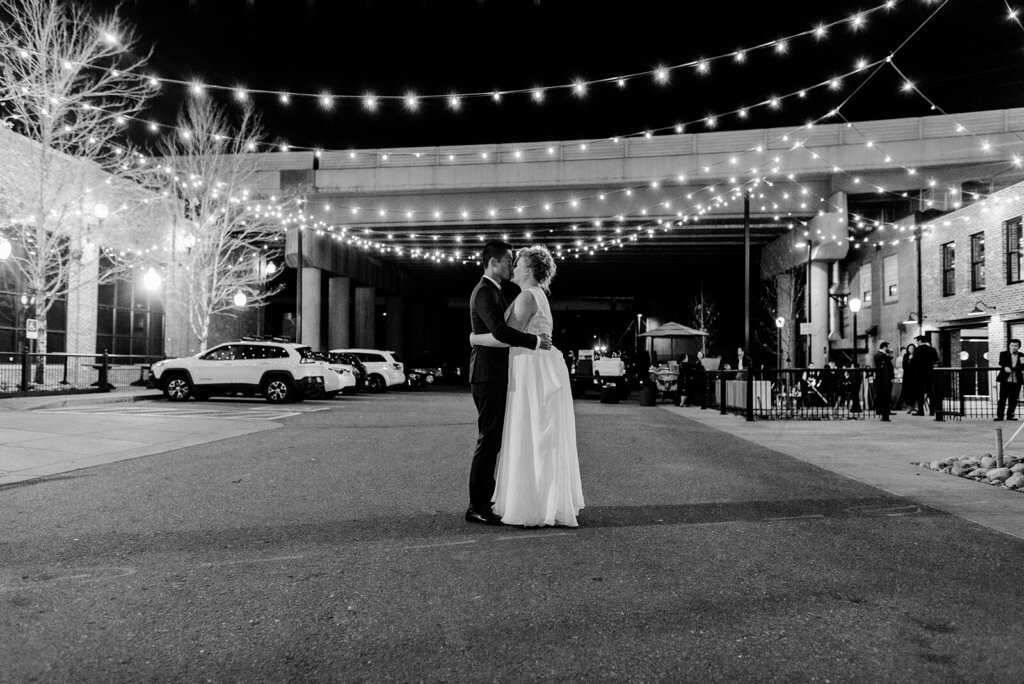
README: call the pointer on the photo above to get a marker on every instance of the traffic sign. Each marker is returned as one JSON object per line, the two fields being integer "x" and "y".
{"x": 31, "y": 329}
{"x": 805, "y": 328}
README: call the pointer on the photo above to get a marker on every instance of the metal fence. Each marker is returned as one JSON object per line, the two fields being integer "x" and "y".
{"x": 26, "y": 374}
{"x": 841, "y": 393}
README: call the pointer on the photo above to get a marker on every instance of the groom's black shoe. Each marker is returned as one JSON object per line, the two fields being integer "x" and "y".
{"x": 483, "y": 518}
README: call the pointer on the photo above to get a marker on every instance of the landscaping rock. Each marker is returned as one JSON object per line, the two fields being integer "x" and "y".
{"x": 978, "y": 472}
{"x": 935, "y": 465}
{"x": 987, "y": 462}
{"x": 1015, "y": 481}
{"x": 1017, "y": 468}
{"x": 998, "y": 474}
{"x": 958, "y": 471}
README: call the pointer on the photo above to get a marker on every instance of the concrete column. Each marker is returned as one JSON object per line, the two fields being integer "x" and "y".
{"x": 394, "y": 326}
{"x": 365, "y": 321}
{"x": 339, "y": 317}
{"x": 818, "y": 353}
{"x": 416, "y": 331}
{"x": 311, "y": 308}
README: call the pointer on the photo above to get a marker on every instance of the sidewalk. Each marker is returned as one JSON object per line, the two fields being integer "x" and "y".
{"x": 882, "y": 455}
{"x": 34, "y": 444}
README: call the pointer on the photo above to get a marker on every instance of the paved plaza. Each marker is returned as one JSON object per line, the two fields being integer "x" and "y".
{"x": 329, "y": 544}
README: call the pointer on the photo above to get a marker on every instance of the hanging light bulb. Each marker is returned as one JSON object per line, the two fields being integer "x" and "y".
{"x": 5, "y": 249}
{"x": 240, "y": 299}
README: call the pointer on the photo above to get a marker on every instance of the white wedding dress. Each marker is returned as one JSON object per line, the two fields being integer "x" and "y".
{"x": 537, "y": 480}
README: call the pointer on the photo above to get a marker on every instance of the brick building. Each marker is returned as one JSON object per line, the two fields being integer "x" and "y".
{"x": 971, "y": 276}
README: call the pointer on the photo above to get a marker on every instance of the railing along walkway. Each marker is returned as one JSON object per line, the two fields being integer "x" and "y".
{"x": 30, "y": 374}
{"x": 842, "y": 393}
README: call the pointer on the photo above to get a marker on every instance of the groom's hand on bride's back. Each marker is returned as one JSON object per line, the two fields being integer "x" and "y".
{"x": 545, "y": 341}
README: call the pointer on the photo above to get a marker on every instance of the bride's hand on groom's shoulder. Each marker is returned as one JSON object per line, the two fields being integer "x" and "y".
{"x": 545, "y": 341}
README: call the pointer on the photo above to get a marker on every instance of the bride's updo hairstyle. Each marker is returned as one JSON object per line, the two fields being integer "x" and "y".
{"x": 541, "y": 263}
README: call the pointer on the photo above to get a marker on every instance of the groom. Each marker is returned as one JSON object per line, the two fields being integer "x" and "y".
{"x": 488, "y": 375}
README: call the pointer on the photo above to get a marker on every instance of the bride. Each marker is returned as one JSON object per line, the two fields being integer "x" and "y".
{"x": 538, "y": 474}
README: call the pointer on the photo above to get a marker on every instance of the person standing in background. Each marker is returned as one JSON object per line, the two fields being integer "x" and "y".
{"x": 1011, "y": 375}
{"x": 925, "y": 360}
{"x": 909, "y": 380}
{"x": 884, "y": 373}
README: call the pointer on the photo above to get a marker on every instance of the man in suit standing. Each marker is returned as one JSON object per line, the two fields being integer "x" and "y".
{"x": 488, "y": 375}
{"x": 1011, "y": 375}
{"x": 742, "y": 364}
{"x": 924, "y": 361}
{"x": 884, "y": 374}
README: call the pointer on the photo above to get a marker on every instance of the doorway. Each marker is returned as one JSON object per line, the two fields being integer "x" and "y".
{"x": 974, "y": 354}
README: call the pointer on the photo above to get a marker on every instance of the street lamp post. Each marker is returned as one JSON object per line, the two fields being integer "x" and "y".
{"x": 855, "y": 305}
{"x": 780, "y": 323}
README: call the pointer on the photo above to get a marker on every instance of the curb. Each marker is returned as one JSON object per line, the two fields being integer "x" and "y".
{"x": 34, "y": 403}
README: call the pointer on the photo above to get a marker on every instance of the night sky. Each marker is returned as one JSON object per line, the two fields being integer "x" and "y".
{"x": 967, "y": 57}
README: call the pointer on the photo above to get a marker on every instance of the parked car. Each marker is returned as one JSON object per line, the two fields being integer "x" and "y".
{"x": 280, "y": 371}
{"x": 340, "y": 377}
{"x": 429, "y": 374}
{"x": 599, "y": 371}
{"x": 357, "y": 366}
{"x": 415, "y": 378}
{"x": 382, "y": 367}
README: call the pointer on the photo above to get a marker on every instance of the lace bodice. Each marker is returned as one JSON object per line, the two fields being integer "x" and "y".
{"x": 541, "y": 322}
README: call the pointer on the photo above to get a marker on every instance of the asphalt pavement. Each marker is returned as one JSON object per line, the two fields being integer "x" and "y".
{"x": 332, "y": 548}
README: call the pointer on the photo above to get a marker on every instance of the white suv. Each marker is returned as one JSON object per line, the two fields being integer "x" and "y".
{"x": 279, "y": 371}
{"x": 383, "y": 369}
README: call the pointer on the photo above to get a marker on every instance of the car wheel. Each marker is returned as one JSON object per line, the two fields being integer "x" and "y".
{"x": 376, "y": 383}
{"x": 177, "y": 388}
{"x": 278, "y": 390}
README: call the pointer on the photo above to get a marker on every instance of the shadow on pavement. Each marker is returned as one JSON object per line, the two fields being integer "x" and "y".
{"x": 450, "y": 526}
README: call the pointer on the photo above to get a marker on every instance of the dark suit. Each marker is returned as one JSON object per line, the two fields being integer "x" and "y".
{"x": 925, "y": 359}
{"x": 488, "y": 377}
{"x": 1009, "y": 383}
{"x": 884, "y": 374}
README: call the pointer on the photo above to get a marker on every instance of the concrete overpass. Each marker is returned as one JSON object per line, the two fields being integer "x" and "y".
{"x": 663, "y": 201}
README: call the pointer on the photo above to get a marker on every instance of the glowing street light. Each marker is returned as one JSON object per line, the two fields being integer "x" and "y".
{"x": 5, "y": 249}
{"x": 152, "y": 280}
{"x": 240, "y": 299}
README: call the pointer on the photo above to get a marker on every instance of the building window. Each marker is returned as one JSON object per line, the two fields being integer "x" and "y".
{"x": 948, "y": 269}
{"x": 978, "y": 261}
{"x": 890, "y": 278}
{"x": 13, "y": 313}
{"x": 129, "y": 322}
{"x": 865, "y": 285}
{"x": 1014, "y": 243}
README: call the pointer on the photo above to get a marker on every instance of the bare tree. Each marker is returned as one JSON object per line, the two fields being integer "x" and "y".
{"x": 705, "y": 317}
{"x": 224, "y": 233}
{"x": 781, "y": 296}
{"x": 68, "y": 83}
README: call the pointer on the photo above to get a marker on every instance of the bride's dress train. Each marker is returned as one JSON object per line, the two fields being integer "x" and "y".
{"x": 538, "y": 475}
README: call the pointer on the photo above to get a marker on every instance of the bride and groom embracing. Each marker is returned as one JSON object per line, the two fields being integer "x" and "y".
{"x": 525, "y": 468}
